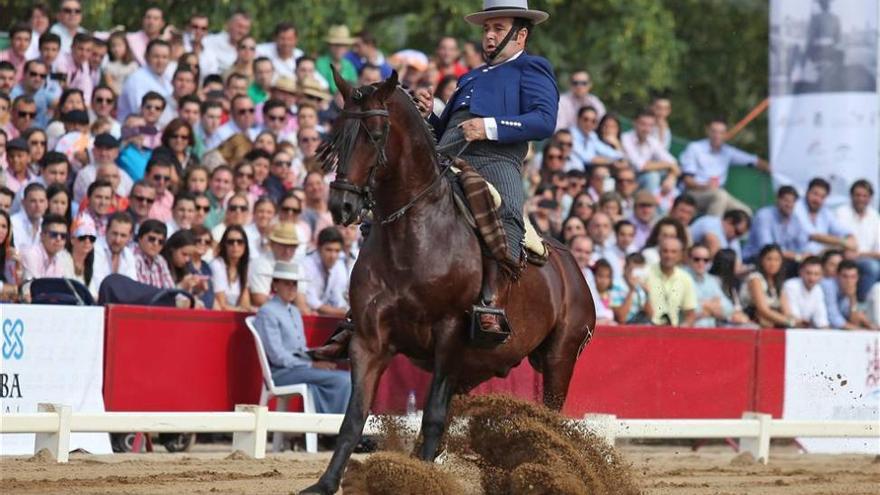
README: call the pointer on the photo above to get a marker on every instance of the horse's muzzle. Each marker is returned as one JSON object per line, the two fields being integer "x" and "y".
{"x": 346, "y": 203}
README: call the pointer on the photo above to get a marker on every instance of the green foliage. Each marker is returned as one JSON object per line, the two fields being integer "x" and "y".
{"x": 710, "y": 55}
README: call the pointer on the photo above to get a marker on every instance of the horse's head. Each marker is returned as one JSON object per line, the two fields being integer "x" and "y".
{"x": 358, "y": 149}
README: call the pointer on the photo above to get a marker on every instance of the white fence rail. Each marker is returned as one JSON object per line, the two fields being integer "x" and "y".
{"x": 250, "y": 425}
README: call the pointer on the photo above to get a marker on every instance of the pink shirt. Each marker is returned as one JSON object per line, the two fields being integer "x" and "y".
{"x": 78, "y": 76}
{"x": 138, "y": 43}
{"x": 161, "y": 209}
{"x": 17, "y": 61}
{"x": 37, "y": 263}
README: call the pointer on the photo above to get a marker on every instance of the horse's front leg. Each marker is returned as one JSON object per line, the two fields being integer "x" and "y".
{"x": 369, "y": 359}
{"x": 442, "y": 385}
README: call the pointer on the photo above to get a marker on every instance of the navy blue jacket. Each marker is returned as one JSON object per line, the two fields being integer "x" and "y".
{"x": 520, "y": 94}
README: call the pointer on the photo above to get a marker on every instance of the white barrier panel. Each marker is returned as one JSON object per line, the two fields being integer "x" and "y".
{"x": 833, "y": 375}
{"x": 250, "y": 425}
{"x": 52, "y": 354}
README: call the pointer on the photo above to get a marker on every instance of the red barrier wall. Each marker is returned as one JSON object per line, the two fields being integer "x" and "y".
{"x": 159, "y": 359}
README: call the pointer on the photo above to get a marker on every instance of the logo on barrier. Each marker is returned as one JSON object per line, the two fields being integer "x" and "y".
{"x": 13, "y": 343}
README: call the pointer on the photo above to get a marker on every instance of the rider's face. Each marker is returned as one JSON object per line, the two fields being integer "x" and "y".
{"x": 494, "y": 31}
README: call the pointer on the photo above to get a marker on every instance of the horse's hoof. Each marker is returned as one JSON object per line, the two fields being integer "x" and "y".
{"x": 317, "y": 489}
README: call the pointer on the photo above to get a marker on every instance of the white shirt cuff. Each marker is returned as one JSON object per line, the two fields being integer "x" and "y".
{"x": 491, "y": 128}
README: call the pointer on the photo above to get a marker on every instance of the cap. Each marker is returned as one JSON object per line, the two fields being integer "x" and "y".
{"x": 106, "y": 140}
{"x": 17, "y": 144}
{"x": 75, "y": 117}
{"x": 645, "y": 197}
{"x": 82, "y": 226}
{"x": 285, "y": 233}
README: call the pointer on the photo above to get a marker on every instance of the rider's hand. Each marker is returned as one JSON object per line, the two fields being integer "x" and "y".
{"x": 474, "y": 129}
{"x": 324, "y": 365}
{"x": 425, "y": 101}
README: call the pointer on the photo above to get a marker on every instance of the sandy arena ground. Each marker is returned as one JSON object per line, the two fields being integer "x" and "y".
{"x": 660, "y": 470}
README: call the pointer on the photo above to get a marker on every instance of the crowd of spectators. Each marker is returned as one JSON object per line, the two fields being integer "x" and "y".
{"x": 182, "y": 158}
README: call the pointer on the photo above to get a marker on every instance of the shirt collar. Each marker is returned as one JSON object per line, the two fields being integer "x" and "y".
{"x": 511, "y": 59}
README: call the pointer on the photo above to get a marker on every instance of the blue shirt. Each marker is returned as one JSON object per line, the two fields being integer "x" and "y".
{"x": 769, "y": 227}
{"x": 839, "y": 306}
{"x": 704, "y": 163}
{"x": 586, "y": 148}
{"x": 139, "y": 83}
{"x": 709, "y": 224}
{"x": 709, "y": 287}
{"x": 280, "y": 326}
{"x": 359, "y": 63}
{"x": 825, "y": 223}
{"x": 43, "y": 98}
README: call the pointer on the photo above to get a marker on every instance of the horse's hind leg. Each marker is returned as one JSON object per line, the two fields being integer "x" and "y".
{"x": 367, "y": 365}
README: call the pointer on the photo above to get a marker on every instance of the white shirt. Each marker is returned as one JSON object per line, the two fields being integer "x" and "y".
{"x": 639, "y": 154}
{"x": 229, "y": 129}
{"x": 23, "y": 231}
{"x": 257, "y": 245}
{"x": 807, "y": 305}
{"x": 137, "y": 85}
{"x": 260, "y": 274}
{"x": 283, "y": 67}
{"x": 865, "y": 228}
{"x": 220, "y": 49}
{"x": 103, "y": 265}
{"x": 89, "y": 173}
{"x": 325, "y": 287}
{"x": 222, "y": 285}
{"x": 64, "y": 34}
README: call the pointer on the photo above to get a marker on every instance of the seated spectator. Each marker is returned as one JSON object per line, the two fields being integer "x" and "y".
{"x": 104, "y": 106}
{"x": 830, "y": 262}
{"x": 6, "y": 197}
{"x": 48, "y": 258}
{"x": 761, "y": 294}
{"x": 178, "y": 141}
{"x": 97, "y": 205}
{"x": 327, "y": 290}
{"x": 178, "y": 253}
{"x": 665, "y": 228}
{"x": 230, "y": 271}
{"x": 578, "y": 96}
{"x": 630, "y": 300}
{"x": 183, "y": 213}
{"x": 219, "y": 192}
{"x": 152, "y": 77}
{"x": 159, "y": 176}
{"x": 206, "y": 132}
{"x": 112, "y": 254}
{"x": 241, "y": 119}
{"x": 661, "y": 107}
{"x": 805, "y": 296}
{"x": 290, "y": 211}
{"x": 684, "y": 209}
{"x": 588, "y": 148}
{"x": 203, "y": 207}
{"x": 81, "y": 247}
{"x": 237, "y": 214}
{"x": 202, "y": 255}
{"x": 195, "y": 180}
{"x": 351, "y": 248}
{"x": 864, "y": 221}
{"x": 283, "y": 244}
{"x": 724, "y": 266}
{"x": 243, "y": 181}
{"x": 143, "y": 195}
{"x": 603, "y": 276}
{"x": 841, "y": 299}
{"x": 151, "y": 267}
{"x": 75, "y": 140}
{"x": 582, "y": 250}
{"x": 644, "y": 217}
{"x": 705, "y": 164}
{"x": 600, "y": 175}
{"x": 819, "y": 222}
{"x": 133, "y": 154}
{"x": 18, "y": 173}
{"x": 120, "y": 62}
{"x": 104, "y": 151}
{"x": 602, "y": 235}
{"x": 611, "y": 204}
{"x": 546, "y": 218}
{"x": 280, "y": 326}
{"x": 609, "y": 131}
{"x": 672, "y": 292}
{"x": 778, "y": 225}
{"x": 582, "y": 206}
{"x": 713, "y": 306}
{"x": 153, "y": 106}
{"x": 280, "y": 177}
{"x": 26, "y": 224}
{"x": 10, "y": 269}
{"x": 572, "y": 226}
{"x": 721, "y": 233}
{"x": 657, "y": 168}
{"x": 624, "y": 233}
{"x": 625, "y": 186}
{"x": 260, "y": 228}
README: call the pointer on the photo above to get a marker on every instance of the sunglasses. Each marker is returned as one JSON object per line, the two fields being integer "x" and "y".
{"x": 242, "y": 111}
{"x": 645, "y": 205}
{"x": 246, "y": 176}
{"x": 29, "y": 115}
{"x": 155, "y": 240}
{"x": 184, "y": 137}
{"x": 554, "y": 157}
{"x": 240, "y": 208}
{"x": 144, "y": 199}
{"x": 580, "y": 83}
{"x": 281, "y": 163}
{"x": 161, "y": 178}
{"x": 71, "y": 11}
{"x": 235, "y": 242}
{"x": 89, "y": 238}
{"x": 277, "y": 118}
{"x": 291, "y": 210}
{"x": 204, "y": 209}
{"x": 696, "y": 259}
{"x": 57, "y": 235}
{"x": 104, "y": 101}
{"x": 41, "y": 75}
{"x": 196, "y": 27}
{"x": 153, "y": 108}
{"x": 625, "y": 181}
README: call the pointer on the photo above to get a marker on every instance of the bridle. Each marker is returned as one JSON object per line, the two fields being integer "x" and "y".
{"x": 366, "y": 192}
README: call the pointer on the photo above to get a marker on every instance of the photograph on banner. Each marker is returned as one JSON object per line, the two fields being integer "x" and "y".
{"x": 824, "y": 104}
{"x": 833, "y": 375}
{"x": 44, "y": 361}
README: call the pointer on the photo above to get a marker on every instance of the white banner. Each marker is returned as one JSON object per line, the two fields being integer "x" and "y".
{"x": 833, "y": 374}
{"x": 52, "y": 354}
{"x": 824, "y": 103}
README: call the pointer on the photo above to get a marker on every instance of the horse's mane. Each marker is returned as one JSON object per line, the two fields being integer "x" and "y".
{"x": 341, "y": 143}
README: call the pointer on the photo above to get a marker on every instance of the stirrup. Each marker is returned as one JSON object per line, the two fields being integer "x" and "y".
{"x": 483, "y": 338}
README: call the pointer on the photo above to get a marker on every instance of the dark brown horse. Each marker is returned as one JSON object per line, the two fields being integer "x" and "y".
{"x": 418, "y": 276}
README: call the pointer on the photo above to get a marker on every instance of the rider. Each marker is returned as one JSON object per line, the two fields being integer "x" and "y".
{"x": 497, "y": 109}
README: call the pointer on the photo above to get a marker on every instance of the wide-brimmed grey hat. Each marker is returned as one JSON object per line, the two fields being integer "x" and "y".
{"x": 285, "y": 270}
{"x": 506, "y": 8}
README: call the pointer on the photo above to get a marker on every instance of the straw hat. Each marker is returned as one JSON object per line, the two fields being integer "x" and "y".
{"x": 506, "y": 8}
{"x": 286, "y": 270}
{"x": 310, "y": 86}
{"x": 339, "y": 35}
{"x": 285, "y": 233}
{"x": 285, "y": 84}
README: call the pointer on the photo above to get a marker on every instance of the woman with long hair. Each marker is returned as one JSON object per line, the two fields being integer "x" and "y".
{"x": 178, "y": 137}
{"x": 761, "y": 294}
{"x": 246, "y": 52}
{"x": 724, "y": 267}
{"x": 179, "y": 251}
{"x": 443, "y": 92}
{"x": 267, "y": 142}
{"x": 572, "y": 227}
{"x": 37, "y": 144}
{"x": 81, "y": 246}
{"x": 609, "y": 131}
{"x": 230, "y": 269}
{"x": 552, "y": 161}
{"x": 243, "y": 180}
{"x": 191, "y": 60}
{"x": 665, "y": 227}
{"x": 582, "y": 206}
{"x": 203, "y": 253}
{"x": 121, "y": 62}
{"x": 10, "y": 270}
{"x": 71, "y": 99}
{"x": 59, "y": 202}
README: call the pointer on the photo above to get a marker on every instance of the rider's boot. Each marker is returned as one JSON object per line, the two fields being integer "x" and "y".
{"x": 336, "y": 346}
{"x": 491, "y": 318}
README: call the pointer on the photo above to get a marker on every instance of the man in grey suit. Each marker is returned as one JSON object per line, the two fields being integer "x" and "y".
{"x": 280, "y": 326}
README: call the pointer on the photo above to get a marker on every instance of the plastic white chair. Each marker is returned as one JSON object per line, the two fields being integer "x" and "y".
{"x": 282, "y": 394}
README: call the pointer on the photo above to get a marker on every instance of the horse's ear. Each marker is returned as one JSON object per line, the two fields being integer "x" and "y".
{"x": 386, "y": 89}
{"x": 341, "y": 83}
